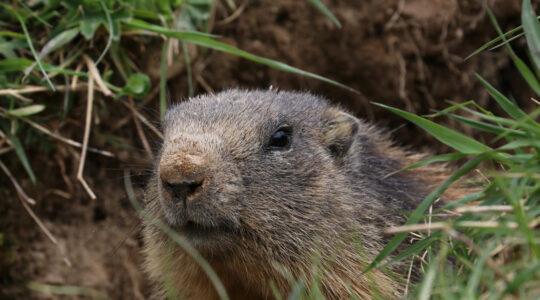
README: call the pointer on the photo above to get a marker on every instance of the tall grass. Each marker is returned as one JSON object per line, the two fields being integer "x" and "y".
{"x": 487, "y": 244}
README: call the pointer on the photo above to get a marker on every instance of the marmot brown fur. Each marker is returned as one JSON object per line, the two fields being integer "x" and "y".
{"x": 265, "y": 184}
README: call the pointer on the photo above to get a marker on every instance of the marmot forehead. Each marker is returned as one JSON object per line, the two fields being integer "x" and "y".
{"x": 247, "y": 108}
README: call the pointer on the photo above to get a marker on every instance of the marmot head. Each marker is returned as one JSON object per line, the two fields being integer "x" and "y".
{"x": 262, "y": 169}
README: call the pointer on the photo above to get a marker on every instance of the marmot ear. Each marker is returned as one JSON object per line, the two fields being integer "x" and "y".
{"x": 339, "y": 131}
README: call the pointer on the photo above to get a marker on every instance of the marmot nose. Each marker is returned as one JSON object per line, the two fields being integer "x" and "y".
{"x": 182, "y": 190}
{"x": 182, "y": 175}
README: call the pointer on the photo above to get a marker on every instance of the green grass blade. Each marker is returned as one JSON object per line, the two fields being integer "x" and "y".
{"x": 189, "y": 74}
{"x": 415, "y": 248}
{"x": 206, "y": 40}
{"x": 527, "y": 74}
{"x": 12, "y": 34}
{"x": 523, "y": 277}
{"x": 465, "y": 200}
{"x": 111, "y": 31}
{"x": 318, "y": 4}
{"x": 55, "y": 43}
{"x": 454, "y": 139}
{"x": 19, "y": 150}
{"x": 427, "y": 282}
{"x": 474, "y": 278}
{"x": 531, "y": 27}
{"x": 430, "y": 160}
{"x": 488, "y": 127}
{"x": 178, "y": 34}
{"x": 496, "y": 40}
{"x": 418, "y": 213}
{"x": 508, "y": 106}
{"x": 493, "y": 42}
{"x": 177, "y": 238}
{"x": 163, "y": 80}
{"x": 517, "y": 36}
{"x": 523, "y": 124}
{"x": 29, "y": 41}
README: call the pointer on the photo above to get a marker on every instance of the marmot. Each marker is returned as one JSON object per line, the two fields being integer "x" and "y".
{"x": 271, "y": 186}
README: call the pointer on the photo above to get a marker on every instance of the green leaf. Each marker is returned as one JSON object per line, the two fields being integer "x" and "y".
{"x": 27, "y": 110}
{"x": 318, "y": 4}
{"x": 19, "y": 150}
{"x": 14, "y": 64}
{"x": 7, "y": 48}
{"x": 138, "y": 86}
{"x": 59, "y": 41}
{"x": 531, "y": 27}
{"x": 89, "y": 25}
{"x": 55, "y": 43}
{"x": 19, "y": 64}
{"x": 454, "y": 139}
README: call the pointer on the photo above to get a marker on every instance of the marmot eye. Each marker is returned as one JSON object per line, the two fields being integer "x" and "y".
{"x": 281, "y": 139}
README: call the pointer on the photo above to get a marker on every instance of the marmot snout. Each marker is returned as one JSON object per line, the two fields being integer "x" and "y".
{"x": 262, "y": 182}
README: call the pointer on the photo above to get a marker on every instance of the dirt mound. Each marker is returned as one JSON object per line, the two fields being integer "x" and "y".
{"x": 408, "y": 54}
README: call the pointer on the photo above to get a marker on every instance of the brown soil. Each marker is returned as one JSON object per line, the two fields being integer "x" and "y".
{"x": 408, "y": 54}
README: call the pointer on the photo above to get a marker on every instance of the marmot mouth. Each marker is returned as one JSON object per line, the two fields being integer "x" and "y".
{"x": 192, "y": 229}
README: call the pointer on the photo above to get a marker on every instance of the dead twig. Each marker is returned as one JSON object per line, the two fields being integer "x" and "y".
{"x": 204, "y": 84}
{"x": 38, "y": 89}
{"x": 65, "y": 177}
{"x": 140, "y": 131}
{"x": 87, "y": 127}
{"x": 94, "y": 73}
{"x": 144, "y": 120}
{"x": 19, "y": 189}
{"x": 409, "y": 273}
{"x": 47, "y": 232}
{"x": 446, "y": 226}
{"x": 6, "y": 149}
{"x": 489, "y": 208}
{"x": 233, "y": 16}
{"x": 57, "y": 136}
{"x": 76, "y": 77}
